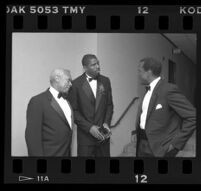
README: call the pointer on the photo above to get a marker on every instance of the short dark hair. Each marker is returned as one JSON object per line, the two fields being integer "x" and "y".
{"x": 86, "y": 58}
{"x": 152, "y": 64}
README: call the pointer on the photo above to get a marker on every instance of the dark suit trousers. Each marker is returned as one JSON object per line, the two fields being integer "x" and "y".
{"x": 144, "y": 149}
{"x": 99, "y": 150}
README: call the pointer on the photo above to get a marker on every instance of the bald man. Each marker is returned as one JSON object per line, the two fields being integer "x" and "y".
{"x": 50, "y": 118}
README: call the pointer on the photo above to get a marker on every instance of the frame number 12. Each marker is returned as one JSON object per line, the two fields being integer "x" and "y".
{"x": 141, "y": 178}
{"x": 143, "y": 10}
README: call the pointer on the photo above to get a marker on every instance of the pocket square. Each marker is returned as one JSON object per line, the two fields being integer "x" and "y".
{"x": 159, "y": 106}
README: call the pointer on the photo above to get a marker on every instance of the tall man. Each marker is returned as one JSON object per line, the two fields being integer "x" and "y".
{"x": 165, "y": 119}
{"x": 50, "y": 118}
{"x": 91, "y": 99}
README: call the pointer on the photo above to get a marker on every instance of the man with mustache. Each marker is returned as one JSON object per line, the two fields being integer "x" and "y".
{"x": 50, "y": 118}
{"x": 91, "y": 99}
{"x": 165, "y": 119}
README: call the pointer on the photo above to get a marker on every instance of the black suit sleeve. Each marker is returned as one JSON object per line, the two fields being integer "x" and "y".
{"x": 187, "y": 113}
{"x": 33, "y": 133}
{"x": 109, "y": 110}
{"x": 79, "y": 119}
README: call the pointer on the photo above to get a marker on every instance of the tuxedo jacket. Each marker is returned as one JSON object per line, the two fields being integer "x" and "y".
{"x": 47, "y": 132}
{"x": 171, "y": 119}
{"x": 88, "y": 110}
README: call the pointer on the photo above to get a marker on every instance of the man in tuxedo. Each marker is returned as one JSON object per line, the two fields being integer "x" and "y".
{"x": 91, "y": 99}
{"x": 165, "y": 119}
{"x": 50, "y": 118}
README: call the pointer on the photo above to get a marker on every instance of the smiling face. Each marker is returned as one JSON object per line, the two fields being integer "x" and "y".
{"x": 92, "y": 67}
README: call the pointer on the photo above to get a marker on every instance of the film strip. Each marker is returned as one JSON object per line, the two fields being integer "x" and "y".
{"x": 95, "y": 19}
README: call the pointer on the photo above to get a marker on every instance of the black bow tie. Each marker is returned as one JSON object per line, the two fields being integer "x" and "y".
{"x": 147, "y": 88}
{"x": 63, "y": 95}
{"x": 94, "y": 78}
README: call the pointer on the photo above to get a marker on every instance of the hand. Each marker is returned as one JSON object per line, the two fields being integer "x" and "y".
{"x": 105, "y": 125}
{"x": 96, "y": 133}
{"x": 170, "y": 148}
{"x": 172, "y": 151}
{"x": 133, "y": 138}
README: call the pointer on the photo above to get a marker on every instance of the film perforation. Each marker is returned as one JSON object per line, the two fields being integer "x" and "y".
{"x": 42, "y": 22}
{"x": 115, "y": 22}
{"x": 42, "y": 166}
{"x": 114, "y": 166}
{"x": 187, "y": 22}
{"x": 66, "y": 22}
{"x": 18, "y": 22}
{"x": 138, "y": 166}
{"x": 139, "y": 22}
{"x": 17, "y": 166}
{"x": 163, "y": 22}
{"x": 120, "y": 36}
{"x": 162, "y": 166}
{"x": 187, "y": 167}
{"x": 91, "y": 22}
{"x": 66, "y": 166}
{"x": 90, "y": 166}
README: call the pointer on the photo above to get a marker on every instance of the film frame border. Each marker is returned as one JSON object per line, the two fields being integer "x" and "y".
{"x": 115, "y": 169}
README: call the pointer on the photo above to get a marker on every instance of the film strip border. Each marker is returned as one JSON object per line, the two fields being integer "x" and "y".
{"x": 91, "y": 23}
{"x": 104, "y": 18}
{"x": 115, "y": 23}
{"x": 102, "y": 170}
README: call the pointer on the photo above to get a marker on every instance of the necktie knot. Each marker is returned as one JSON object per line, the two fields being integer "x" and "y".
{"x": 147, "y": 88}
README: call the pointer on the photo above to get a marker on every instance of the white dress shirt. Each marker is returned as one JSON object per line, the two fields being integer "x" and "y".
{"x": 145, "y": 103}
{"x": 63, "y": 104}
{"x": 93, "y": 85}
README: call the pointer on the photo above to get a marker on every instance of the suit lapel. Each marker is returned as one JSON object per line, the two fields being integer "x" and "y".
{"x": 72, "y": 114}
{"x": 89, "y": 93}
{"x": 87, "y": 89}
{"x": 151, "y": 104}
{"x": 139, "y": 111}
{"x": 153, "y": 100}
{"x": 98, "y": 94}
{"x": 56, "y": 107}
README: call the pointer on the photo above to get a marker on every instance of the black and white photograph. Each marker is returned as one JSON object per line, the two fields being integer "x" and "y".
{"x": 103, "y": 94}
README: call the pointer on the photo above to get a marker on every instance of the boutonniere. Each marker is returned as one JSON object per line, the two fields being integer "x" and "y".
{"x": 101, "y": 89}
